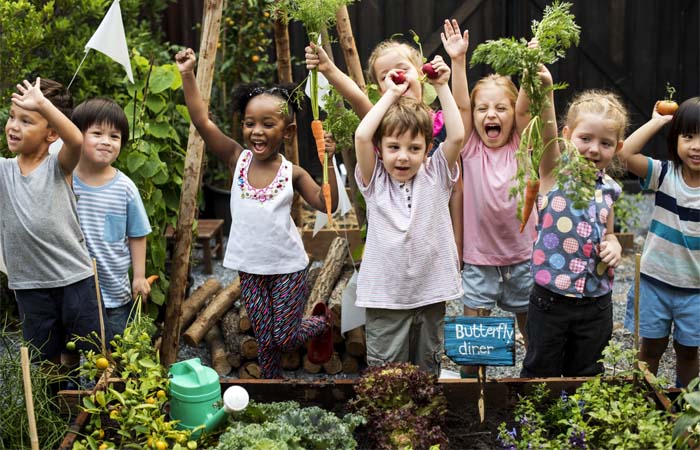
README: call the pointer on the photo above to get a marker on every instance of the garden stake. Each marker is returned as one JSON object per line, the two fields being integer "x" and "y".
{"x": 637, "y": 262}
{"x": 99, "y": 308}
{"x": 28, "y": 399}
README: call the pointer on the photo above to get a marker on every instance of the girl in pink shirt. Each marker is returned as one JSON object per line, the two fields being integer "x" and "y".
{"x": 495, "y": 254}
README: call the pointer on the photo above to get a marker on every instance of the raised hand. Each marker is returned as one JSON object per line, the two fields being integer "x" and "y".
{"x": 392, "y": 84}
{"x": 455, "y": 43}
{"x": 29, "y": 96}
{"x": 185, "y": 60}
{"x": 442, "y": 69}
{"x": 316, "y": 58}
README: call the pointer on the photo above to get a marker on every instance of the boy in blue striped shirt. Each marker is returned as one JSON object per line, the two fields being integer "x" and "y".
{"x": 112, "y": 215}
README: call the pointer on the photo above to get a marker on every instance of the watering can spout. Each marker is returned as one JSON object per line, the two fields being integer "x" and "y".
{"x": 235, "y": 399}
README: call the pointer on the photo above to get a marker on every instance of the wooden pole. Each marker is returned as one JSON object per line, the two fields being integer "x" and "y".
{"x": 481, "y": 373}
{"x": 284, "y": 74}
{"x": 637, "y": 266}
{"x": 190, "y": 187}
{"x": 28, "y": 399}
{"x": 99, "y": 309}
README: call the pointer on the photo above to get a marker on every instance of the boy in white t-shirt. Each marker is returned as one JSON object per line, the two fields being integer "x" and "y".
{"x": 110, "y": 209}
{"x": 410, "y": 266}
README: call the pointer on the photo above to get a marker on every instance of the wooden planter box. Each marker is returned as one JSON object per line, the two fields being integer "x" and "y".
{"x": 500, "y": 396}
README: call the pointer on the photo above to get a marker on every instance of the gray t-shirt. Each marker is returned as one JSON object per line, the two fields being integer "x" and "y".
{"x": 42, "y": 243}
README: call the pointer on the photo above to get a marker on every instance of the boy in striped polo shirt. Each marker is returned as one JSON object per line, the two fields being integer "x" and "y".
{"x": 110, "y": 209}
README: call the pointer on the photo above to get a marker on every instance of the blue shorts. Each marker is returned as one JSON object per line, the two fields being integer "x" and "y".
{"x": 508, "y": 287}
{"x": 116, "y": 320}
{"x": 661, "y": 306}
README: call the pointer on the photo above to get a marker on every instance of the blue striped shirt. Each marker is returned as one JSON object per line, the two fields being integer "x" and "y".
{"x": 672, "y": 248}
{"x": 109, "y": 215}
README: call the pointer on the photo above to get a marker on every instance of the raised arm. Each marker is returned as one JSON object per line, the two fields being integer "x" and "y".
{"x": 453, "y": 120}
{"x": 629, "y": 155}
{"x": 225, "y": 148}
{"x": 31, "y": 98}
{"x": 316, "y": 57}
{"x": 551, "y": 153}
{"x": 364, "y": 146}
{"x": 456, "y": 46}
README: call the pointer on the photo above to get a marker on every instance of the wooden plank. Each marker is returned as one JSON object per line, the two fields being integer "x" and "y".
{"x": 488, "y": 341}
{"x": 317, "y": 247}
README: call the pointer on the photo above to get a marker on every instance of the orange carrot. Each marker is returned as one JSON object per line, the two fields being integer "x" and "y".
{"x": 531, "y": 190}
{"x": 317, "y": 131}
{"x": 329, "y": 202}
{"x": 152, "y": 279}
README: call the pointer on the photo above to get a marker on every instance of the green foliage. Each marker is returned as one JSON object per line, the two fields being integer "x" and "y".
{"x": 604, "y": 412}
{"x": 576, "y": 175}
{"x": 404, "y": 407}
{"x": 154, "y": 158}
{"x": 556, "y": 32}
{"x": 285, "y": 425}
{"x": 136, "y": 413}
{"x": 686, "y": 430}
{"x": 14, "y": 427}
{"x": 627, "y": 212}
{"x": 340, "y": 120}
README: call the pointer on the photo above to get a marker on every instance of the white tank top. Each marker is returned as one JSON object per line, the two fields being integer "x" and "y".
{"x": 264, "y": 239}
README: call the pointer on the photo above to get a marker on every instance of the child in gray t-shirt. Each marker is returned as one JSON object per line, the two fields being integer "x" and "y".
{"x": 44, "y": 249}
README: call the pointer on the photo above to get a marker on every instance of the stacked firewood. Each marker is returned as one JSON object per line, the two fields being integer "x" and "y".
{"x": 217, "y": 316}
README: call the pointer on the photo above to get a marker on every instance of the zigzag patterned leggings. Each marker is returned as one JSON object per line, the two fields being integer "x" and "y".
{"x": 275, "y": 305}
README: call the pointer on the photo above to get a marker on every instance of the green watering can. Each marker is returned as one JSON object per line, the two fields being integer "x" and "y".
{"x": 195, "y": 394}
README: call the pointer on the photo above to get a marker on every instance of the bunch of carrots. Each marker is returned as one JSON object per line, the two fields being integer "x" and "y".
{"x": 317, "y": 16}
{"x": 556, "y": 32}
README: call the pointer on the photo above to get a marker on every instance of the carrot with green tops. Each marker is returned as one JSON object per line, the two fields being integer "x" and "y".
{"x": 326, "y": 188}
{"x": 317, "y": 131}
{"x": 531, "y": 190}
{"x": 152, "y": 279}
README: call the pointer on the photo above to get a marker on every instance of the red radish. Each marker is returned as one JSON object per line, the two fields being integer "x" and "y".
{"x": 429, "y": 71}
{"x": 398, "y": 78}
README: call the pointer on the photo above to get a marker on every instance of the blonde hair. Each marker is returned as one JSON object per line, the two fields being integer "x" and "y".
{"x": 408, "y": 114}
{"x": 500, "y": 81}
{"x": 411, "y": 53}
{"x": 603, "y": 103}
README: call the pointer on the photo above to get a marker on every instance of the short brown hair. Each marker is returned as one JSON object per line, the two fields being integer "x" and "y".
{"x": 58, "y": 95}
{"x": 408, "y": 114}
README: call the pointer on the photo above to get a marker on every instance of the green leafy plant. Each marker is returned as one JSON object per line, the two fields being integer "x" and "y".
{"x": 686, "y": 430}
{"x": 286, "y": 425}
{"x": 404, "y": 407}
{"x": 556, "y": 32}
{"x": 14, "y": 428}
{"x": 604, "y": 412}
{"x": 627, "y": 212}
{"x": 136, "y": 415}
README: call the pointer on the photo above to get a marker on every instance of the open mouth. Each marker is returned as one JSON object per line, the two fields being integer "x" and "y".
{"x": 492, "y": 130}
{"x": 258, "y": 147}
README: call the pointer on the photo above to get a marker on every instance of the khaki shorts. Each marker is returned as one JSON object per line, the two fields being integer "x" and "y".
{"x": 406, "y": 335}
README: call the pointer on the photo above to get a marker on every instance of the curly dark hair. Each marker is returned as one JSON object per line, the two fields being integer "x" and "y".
{"x": 244, "y": 92}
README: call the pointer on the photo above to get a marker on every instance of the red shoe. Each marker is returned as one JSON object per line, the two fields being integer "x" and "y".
{"x": 321, "y": 346}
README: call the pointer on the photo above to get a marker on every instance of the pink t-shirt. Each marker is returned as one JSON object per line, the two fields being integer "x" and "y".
{"x": 491, "y": 227}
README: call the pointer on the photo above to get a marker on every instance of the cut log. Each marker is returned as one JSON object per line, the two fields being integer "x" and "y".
{"x": 355, "y": 342}
{"x": 234, "y": 360}
{"x": 350, "y": 363}
{"x": 291, "y": 360}
{"x": 230, "y": 331}
{"x": 313, "y": 276}
{"x": 334, "y": 365}
{"x": 310, "y": 367}
{"x": 335, "y": 301}
{"x": 219, "y": 361}
{"x": 210, "y": 315}
{"x": 249, "y": 347}
{"x": 244, "y": 324}
{"x": 249, "y": 370}
{"x": 332, "y": 266}
{"x": 193, "y": 304}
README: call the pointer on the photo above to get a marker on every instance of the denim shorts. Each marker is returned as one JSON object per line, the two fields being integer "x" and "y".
{"x": 116, "y": 319}
{"x": 508, "y": 287}
{"x": 52, "y": 316}
{"x": 660, "y": 307}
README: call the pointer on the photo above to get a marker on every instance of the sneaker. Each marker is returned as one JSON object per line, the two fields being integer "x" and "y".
{"x": 321, "y": 347}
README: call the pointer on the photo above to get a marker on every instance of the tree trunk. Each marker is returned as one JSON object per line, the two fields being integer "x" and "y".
{"x": 333, "y": 264}
{"x": 347, "y": 43}
{"x": 193, "y": 304}
{"x": 249, "y": 347}
{"x": 284, "y": 74}
{"x": 212, "y": 313}
{"x": 249, "y": 370}
{"x": 355, "y": 342}
{"x": 190, "y": 187}
{"x": 217, "y": 349}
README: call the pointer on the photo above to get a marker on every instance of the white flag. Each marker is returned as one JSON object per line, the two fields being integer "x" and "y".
{"x": 110, "y": 39}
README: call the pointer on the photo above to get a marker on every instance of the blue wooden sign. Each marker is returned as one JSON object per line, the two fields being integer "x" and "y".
{"x": 487, "y": 341}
